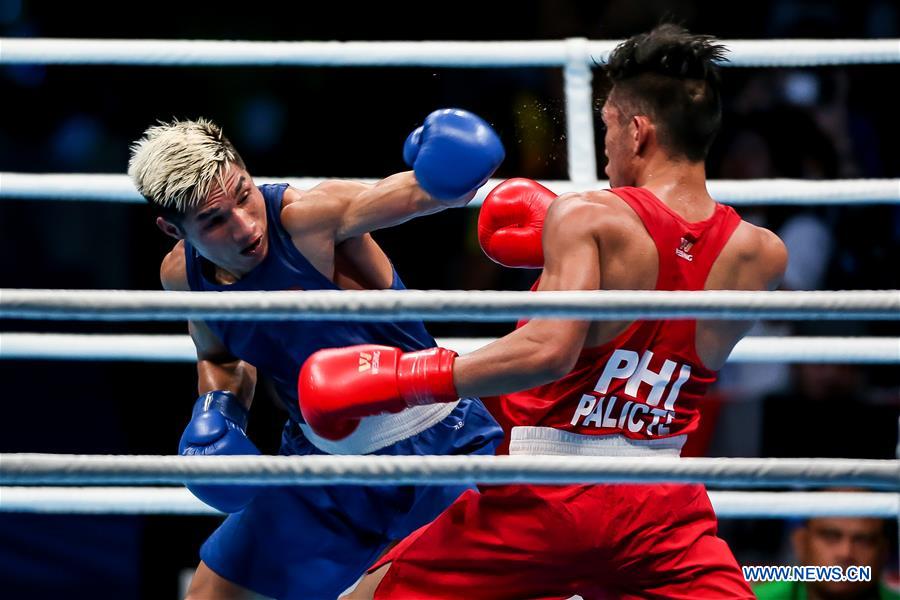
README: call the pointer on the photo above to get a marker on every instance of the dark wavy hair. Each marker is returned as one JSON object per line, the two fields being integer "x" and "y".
{"x": 672, "y": 77}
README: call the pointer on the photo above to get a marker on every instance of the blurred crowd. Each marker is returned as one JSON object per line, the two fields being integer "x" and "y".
{"x": 817, "y": 123}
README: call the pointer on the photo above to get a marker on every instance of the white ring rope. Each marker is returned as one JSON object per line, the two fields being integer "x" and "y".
{"x": 119, "y": 188}
{"x": 183, "y": 53}
{"x": 444, "y": 305}
{"x": 179, "y": 501}
{"x": 180, "y": 348}
{"x": 47, "y": 469}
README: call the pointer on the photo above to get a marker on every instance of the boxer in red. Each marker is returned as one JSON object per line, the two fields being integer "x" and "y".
{"x": 586, "y": 388}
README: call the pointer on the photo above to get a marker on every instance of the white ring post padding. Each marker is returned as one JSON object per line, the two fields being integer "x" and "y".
{"x": 751, "y": 192}
{"x": 50, "y": 469}
{"x": 580, "y": 147}
{"x": 179, "y": 501}
{"x": 180, "y": 348}
{"x": 182, "y": 53}
{"x": 444, "y": 305}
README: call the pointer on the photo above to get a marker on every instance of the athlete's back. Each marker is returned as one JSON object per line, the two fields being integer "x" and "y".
{"x": 641, "y": 380}
{"x": 634, "y": 252}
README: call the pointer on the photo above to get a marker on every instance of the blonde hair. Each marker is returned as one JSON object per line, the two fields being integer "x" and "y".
{"x": 174, "y": 164}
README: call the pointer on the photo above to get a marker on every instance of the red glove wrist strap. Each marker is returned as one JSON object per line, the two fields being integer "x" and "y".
{"x": 426, "y": 377}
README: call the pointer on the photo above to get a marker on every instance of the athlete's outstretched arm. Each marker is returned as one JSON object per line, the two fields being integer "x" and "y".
{"x": 452, "y": 155}
{"x": 542, "y": 350}
{"x": 342, "y": 209}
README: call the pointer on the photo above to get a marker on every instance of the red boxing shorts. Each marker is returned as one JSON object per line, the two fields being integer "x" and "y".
{"x": 543, "y": 542}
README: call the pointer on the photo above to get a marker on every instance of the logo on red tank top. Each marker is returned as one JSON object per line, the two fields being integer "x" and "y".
{"x": 687, "y": 242}
{"x": 600, "y": 409}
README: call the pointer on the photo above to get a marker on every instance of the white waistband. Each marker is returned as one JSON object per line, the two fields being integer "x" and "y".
{"x": 546, "y": 440}
{"x": 380, "y": 431}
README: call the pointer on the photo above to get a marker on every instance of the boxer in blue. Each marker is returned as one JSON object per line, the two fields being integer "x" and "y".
{"x": 304, "y": 542}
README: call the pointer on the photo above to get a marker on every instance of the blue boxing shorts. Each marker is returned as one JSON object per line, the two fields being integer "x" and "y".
{"x": 314, "y": 542}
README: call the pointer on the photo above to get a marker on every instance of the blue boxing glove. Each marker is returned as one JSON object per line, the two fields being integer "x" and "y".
{"x": 217, "y": 427}
{"x": 453, "y": 153}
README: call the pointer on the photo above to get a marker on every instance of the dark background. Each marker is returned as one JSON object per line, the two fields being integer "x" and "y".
{"x": 822, "y": 123}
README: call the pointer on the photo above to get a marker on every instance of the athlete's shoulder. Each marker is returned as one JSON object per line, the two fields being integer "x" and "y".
{"x": 762, "y": 248}
{"x": 290, "y": 196}
{"x": 173, "y": 270}
{"x": 595, "y": 204}
{"x": 317, "y": 208}
{"x": 314, "y": 198}
{"x": 601, "y": 211}
{"x": 759, "y": 243}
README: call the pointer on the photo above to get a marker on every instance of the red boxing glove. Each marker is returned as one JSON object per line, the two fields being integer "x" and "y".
{"x": 511, "y": 222}
{"x": 339, "y": 386}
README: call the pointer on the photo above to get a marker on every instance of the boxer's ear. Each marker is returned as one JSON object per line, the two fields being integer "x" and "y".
{"x": 169, "y": 228}
{"x": 642, "y": 130}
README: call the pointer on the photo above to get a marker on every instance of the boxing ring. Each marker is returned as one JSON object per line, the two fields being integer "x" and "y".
{"x": 47, "y": 483}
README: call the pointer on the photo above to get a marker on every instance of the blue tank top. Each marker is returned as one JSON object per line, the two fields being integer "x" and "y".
{"x": 279, "y": 348}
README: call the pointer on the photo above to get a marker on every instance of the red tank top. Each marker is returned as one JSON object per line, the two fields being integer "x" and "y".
{"x": 645, "y": 383}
